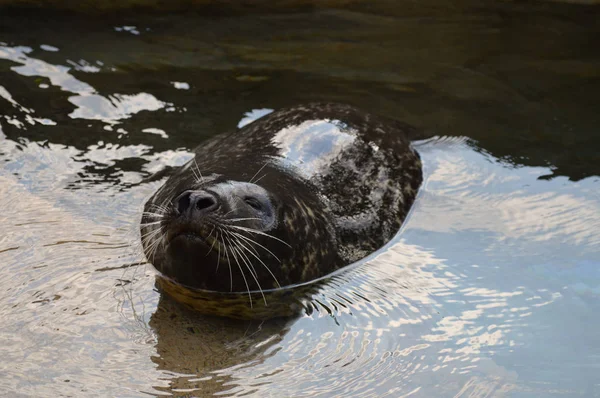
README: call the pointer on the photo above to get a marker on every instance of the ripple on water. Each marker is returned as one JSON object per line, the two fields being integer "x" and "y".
{"x": 432, "y": 313}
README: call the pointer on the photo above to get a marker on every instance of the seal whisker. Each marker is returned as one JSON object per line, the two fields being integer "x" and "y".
{"x": 229, "y": 212}
{"x": 260, "y": 178}
{"x": 152, "y": 231}
{"x": 211, "y": 231}
{"x": 152, "y": 215}
{"x": 165, "y": 205}
{"x": 219, "y": 234}
{"x": 233, "y": 248}
{"x": 213, "y": 244}
{"x": 255, "y": 231}
{"x": 147, "y": 237}
{"x": 262, "y": 262}
{"x": 153, "y": 246}
{"x": 146, "y": 224}
{"x": 259, "y": 170}
{"x": 256, "y": 243}
{"x": 196, "y": 178}
{"x": 237, "y": 235}
{"x": 199, "y": 172}
{"x": 162, "y": 208}
{"x": 219, "y": 244}
{"x": 230, "y": 272}
{"x": 218, "y": 247}
{"x": 229, "y": 262}
{"x": 243, "y": 219}
{"x": 240, "y": 268}
{"x": 250, "y": 267}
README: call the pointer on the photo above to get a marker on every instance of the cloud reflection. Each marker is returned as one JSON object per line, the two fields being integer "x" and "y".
{"x": 313, "y": 143}
{"x": 113, "y": 108}
{"x": 89, "y": 103}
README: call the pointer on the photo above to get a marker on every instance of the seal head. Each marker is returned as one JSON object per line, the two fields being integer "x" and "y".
{"x": 286, "y": 199}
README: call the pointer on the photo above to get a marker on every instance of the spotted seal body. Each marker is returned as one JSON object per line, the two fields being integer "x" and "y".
{"x": 284, "y": 200}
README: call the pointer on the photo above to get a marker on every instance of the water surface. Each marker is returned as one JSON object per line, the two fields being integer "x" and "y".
{"x": 491, "y": 288}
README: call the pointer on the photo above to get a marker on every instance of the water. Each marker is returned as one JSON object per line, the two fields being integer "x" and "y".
{"x": 491, "y": 288}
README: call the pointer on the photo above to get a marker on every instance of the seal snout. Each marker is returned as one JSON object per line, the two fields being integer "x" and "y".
{"x": 195, "y": 213}
{"x": 199, "y": 203}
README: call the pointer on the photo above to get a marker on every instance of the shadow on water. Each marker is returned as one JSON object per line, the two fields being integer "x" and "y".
{"x": 490, "y": 289}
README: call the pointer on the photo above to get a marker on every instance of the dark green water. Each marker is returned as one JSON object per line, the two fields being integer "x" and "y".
{"x": 492, "y": 288}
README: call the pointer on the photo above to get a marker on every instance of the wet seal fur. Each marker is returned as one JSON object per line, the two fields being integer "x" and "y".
{"x": 283, "y": 201}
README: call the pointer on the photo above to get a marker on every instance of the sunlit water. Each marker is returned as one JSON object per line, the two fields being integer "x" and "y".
{"x": 491, "y": 288}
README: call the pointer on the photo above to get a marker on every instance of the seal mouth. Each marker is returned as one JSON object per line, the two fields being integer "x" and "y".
{"x": 196, "y": 237}
{"x": 188, "y": 232}
{"x": 187, "y": 236}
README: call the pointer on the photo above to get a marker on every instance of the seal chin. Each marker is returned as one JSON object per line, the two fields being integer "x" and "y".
{"x": 196, "y": 248}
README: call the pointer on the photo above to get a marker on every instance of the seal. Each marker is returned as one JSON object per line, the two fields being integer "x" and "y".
{"x": 285, "y": 200}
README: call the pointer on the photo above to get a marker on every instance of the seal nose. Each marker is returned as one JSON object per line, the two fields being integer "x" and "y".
{"x": 200, "y": 203}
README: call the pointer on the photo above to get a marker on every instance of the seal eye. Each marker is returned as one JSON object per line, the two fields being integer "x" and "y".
{"x": 252, "y": 202}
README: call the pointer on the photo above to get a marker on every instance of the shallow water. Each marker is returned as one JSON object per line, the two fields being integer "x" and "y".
{"x": 491, "y": 288}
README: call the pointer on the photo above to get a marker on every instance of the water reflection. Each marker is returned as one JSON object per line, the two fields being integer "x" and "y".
{"x": 313, "y": 144}
{"x": 115, "y": 107}
{"x": 193, "y": 348}
{"x": 88, "y": 103}
{"x": 58, "y": 75}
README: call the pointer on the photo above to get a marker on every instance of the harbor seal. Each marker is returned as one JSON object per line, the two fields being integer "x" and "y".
{"x": 287, "y": 199}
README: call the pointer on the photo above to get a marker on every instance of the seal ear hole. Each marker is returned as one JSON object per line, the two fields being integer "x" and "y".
{"x": 253, "y": 202}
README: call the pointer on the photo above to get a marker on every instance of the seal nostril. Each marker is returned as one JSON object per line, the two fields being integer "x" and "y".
{"x": 183, "y": 202}
{"x": 205, "y": 203}
{"x": 194, "y": 201}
